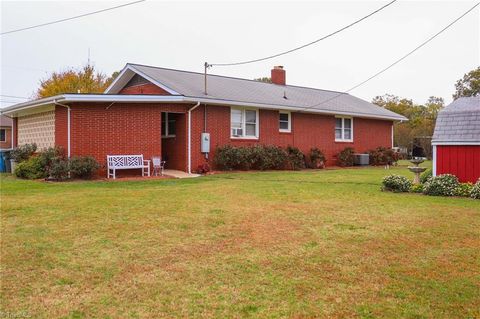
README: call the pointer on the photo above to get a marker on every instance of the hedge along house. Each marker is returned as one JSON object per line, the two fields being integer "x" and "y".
{"x": 156, "y": 111}
{"x": 456, "y": 140}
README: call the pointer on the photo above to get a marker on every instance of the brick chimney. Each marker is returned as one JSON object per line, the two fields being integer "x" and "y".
{"x": 278, "y": 75}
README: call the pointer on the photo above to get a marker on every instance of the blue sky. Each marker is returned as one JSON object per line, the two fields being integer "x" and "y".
{"x": 184, "y": 35}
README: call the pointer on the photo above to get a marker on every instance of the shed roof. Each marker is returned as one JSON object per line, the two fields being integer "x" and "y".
{"x": 459, "y": 123}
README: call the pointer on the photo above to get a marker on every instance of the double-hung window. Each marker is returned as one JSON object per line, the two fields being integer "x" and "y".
{"x": 168, "y": 124}
{"x": 343, "y": 129}
{"x": 3, "y": 135}
{"x": 284, "y": 122}
{"x": 244, "y": 123}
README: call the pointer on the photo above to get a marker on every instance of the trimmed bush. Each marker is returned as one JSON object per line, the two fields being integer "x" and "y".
{"x": 396, "y": 183}
{"x": 346, "y": 157}
{"x": 83, "y": 166}
{"x": 463, "y": 189}
{"x": 31, "y": 169}
{"x": 475, "y": 192}
{"x": 259, "y": 157}
{"x": 296, "y": 159}
{"x": 418, "y": 188}
{"x": 382, "y": 156}
{"x": 425, "y": 176}
{"x": 59, "y": 169}
{"x": 441, "y": 185}
{"x": 317, "y": 158}
{"x": 23, "y": 153}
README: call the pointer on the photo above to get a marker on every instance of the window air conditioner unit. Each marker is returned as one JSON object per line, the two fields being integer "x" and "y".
{"x": 237, "y": 132}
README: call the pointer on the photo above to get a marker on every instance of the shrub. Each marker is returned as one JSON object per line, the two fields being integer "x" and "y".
{"x": 464, "y": 189}
{"x": 346, "y": 157}
{"x": 203, "y": 168}
{"x": 30, "y": 169}
{"x": 83, "y": 166}
{"x": 425, "y": 176}
{"x": 250, "y": 157}
{"x": 317, "y": 158}
{"x": 417, "y": 188}
{"x": 396, "y": 183}
{"x": 266, "y": 157}
{"x": 229, "y": 157}
{"x": 441, "y": 185}
{"x": 475, "y": 192}
{"x": 382, "y": 156}
{"x": 296, "y": 159}
{"x": 59, "y": 169}
{"x": 23, "y": 153}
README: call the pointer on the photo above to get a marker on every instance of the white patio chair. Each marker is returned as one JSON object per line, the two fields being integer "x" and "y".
{"x": 158, "y": 165}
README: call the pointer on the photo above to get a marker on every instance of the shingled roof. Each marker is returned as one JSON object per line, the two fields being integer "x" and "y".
{"x": 459, "y": 123}
{"x": 223, "y": 88}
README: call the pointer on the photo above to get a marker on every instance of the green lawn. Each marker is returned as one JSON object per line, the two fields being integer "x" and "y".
{"x": 304, "y": 244}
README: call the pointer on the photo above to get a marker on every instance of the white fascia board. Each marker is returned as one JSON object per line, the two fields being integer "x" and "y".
{"x": 69, "y": 98}
{"x": 126, "y": 75}
{"x": 459, "y": 143}
{"x": 289, "y": 108}
{"x": 122, "y": 98}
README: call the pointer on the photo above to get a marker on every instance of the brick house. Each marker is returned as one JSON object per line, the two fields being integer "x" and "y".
{"x": 157, "y": 111}
{"x": 5, "y": 132}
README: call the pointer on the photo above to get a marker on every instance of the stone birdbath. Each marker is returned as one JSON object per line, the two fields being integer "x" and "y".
{"x": 417, "y": 170}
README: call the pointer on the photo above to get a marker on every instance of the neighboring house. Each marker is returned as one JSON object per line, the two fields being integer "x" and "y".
{"x": 456, "y": 140}
{"x": 6, "y": 124}
{"x": 156, "y": 111}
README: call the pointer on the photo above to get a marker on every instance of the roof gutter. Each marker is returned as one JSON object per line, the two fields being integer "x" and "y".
{"x": 190, "y": 136}
{"x": 68, "y": 126}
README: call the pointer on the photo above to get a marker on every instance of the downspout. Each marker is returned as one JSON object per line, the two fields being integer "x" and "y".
{"x": 68, "y": 126}
{"x": 190, "y": 137}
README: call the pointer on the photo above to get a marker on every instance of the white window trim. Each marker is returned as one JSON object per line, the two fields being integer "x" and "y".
{"x": 5, "y": 135}
{"x": 165, "y": 129}
{"x": 244, "y": 118}
{"x": 343, "y": 129}
{"x": 289, "y": 130}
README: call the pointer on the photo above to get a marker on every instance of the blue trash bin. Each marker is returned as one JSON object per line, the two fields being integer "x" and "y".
{"x": 3, "y": 167}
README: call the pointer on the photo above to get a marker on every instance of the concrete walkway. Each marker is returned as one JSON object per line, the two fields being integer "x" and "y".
{"x": 178, "y": 174}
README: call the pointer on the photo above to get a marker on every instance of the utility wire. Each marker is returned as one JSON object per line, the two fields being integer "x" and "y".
{"x": 15, "y": 97}
{"x": 307, "y": 44}
{"x": 71, "y": 18}
{"x": 397, "y": 61}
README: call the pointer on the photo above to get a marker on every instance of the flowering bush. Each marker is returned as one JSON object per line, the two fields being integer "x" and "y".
{"x": 396, "y": 183}
{"x": 317, "y": 158}
{"x": 296, "y": 159}
{"x": 382, "y": 156}
{"x": 441, "y": 185}
{"x": 475, "y": 192}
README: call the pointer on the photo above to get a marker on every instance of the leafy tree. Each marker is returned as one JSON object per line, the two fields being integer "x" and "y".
{"x": 421, "y": 120}
{"x": 85, "y": 80}
{"x": 264, "y": 79}
{"x": 469, "y": 85}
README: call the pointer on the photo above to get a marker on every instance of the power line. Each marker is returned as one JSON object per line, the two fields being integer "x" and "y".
{"x": 307, "y": 44}
{"x": 15, "y": 97}
{"x": 71, "y": 18}
{"x": 397, "y": 61}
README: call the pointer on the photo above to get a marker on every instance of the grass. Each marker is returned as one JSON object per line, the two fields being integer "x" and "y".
{"x": 305, "y": 244}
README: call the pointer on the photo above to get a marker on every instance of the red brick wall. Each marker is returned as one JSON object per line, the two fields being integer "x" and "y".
{"x": 98, "y": 130}
{"x": 8, "y": 138}
{"x": 148, "y": 88}
{"x": 308, "y": 130}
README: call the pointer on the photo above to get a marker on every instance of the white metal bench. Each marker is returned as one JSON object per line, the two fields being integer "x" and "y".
{"x": 116, "y": 162}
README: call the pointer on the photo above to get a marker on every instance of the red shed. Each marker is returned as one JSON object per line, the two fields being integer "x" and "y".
{"x": 456, "y": 140}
